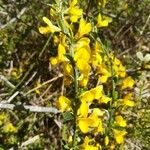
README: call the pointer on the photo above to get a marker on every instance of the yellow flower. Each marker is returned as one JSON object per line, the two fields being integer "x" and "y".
{"x": 50, "y": 28}
{"x": 120, "y": 121}
{"x": 83, "y": 42}
{"x": 84, "y": 28}
{"x": 106, "y": 140}
{"x": 9, "y": 128}
{"x": 63, "y": 103}
{"x": 61, "y": 53}
{"x": 94, "y": 93}
{"x": 83, "y": 109}
{"x": 119, "y": 136}
{"x": 103, "y": 22}
{"x": 104, "y": 99}
{"x": 83, "y": 66}
{"x": 104, "y": 73}
{"x": 93, "y": 122}
{"x": 82, "y": 53}
{"x": 128, "y": 83}
{"x": 90, "y": 144}
{"x": 83, "y": 80}
{"x": 127, "y": 100}
{"x": 67, "y": 68}
{"x": 84, "y": 124}
{"x": 54, "y": 60}
{"x": 74, "y": 11}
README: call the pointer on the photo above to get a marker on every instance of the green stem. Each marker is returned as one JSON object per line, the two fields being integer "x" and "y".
{"x": 45, "y": 45}
{"x": 75, "y": 102}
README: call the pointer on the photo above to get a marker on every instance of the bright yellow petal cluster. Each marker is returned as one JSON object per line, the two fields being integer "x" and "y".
{"x": 96, "y": 57}
{"x": 61, "y": 55}
{"x": 90, "y": 144}
{"x": 63, "y": 103}
{"x": 82, "y": 56}
{"x": 119, "y": 136}
{"x": 104, "y": 73}
{"x": 104, "y": 99}
{"x": 50, "y": 28}
{"x": 74, "y": 11}
{"x": 103, "y": 21}
{"x": 128, "y": 100}
{"x": 84, "y": 28}
{"x": 128, "y": 83}
{"x": 119, "y": 69}
{"x": 91, "y": 122}
{"x": 94, "y": 93}
{"x": 120, "y": 121}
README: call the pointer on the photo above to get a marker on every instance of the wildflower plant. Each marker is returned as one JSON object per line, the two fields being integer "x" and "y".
{"x": 97, "y": 89}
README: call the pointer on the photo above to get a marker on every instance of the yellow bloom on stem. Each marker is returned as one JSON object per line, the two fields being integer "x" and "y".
{"x": 67, "y": 69}
{"x": 84, "y": 124}
{"x": 83, "y": 42}
{"x": 61, "y": 52}
{"x": 128, "y": 83}
{"x": 104, "y": 99}
{"x": 91, "y": 122}
{"x": 103, "y": 22}
{"x": 50, "y": 28}
{"x": 127, "y": 100}
{"x": 61, "y": 55}
{"x": 83, "y": 109}
{"x": 106, "y": 140}
{"x": 104, "y": 73}
{"x": 63, "y": 103}
{"x": 119, "y": 136}
{"x": 84, "y": 28}
{"x": 83, "y": 53}
{"x": 94, "y": 93}
{"x": 120, "y": 121}
{"x": 83, "y": 66}
{"x": 89, "y": 144}
{"x": 83, "y": 80}
{"x": 74, "y": 11}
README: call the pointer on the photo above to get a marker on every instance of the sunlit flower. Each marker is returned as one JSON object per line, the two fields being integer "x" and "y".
{"x": 90, "y": 144}
{"x": 103, "y": 21}
{"x": 83, "y": 109}
{"x": 84, "y": 28}
{"x": 119, "y": 136}
{"x": 94, "y": 93}
{"x": 106, "y": 140}
{"x": 127, "y": 100}
{"x": 104, "y": 74}
{"x": 128, "y": 82}
{"x": 120, "y": 121}
{"x": 50, "y": 28}
{"x": 74, "y": 11}
{"x": 104, "y": 99}
{"x": 63, "y": 103}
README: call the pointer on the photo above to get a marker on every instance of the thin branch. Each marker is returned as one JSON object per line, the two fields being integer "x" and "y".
{"x": 30, "y": 141}
{"x": 29, "y": 108}
{"x": 49, "y": 81}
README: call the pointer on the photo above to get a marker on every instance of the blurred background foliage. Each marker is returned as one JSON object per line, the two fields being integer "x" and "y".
{"x": 20, "y": 64}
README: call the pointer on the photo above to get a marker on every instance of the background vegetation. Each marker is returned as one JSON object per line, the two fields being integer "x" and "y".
{"x": 24, "y": 66}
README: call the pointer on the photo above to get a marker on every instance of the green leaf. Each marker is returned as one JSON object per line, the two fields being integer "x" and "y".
{"x": 68, "y": 116}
